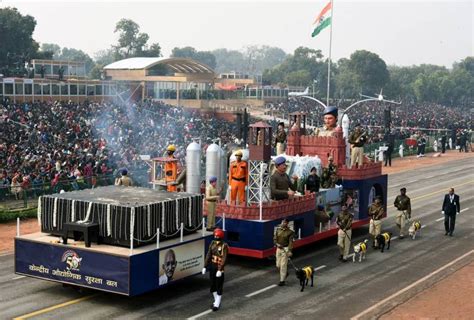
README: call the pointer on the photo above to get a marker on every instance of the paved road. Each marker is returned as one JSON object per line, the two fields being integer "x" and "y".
{"x": 341, "y": 290}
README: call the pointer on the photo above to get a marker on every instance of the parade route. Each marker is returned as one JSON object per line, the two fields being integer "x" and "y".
{"x": 406, "y": 282}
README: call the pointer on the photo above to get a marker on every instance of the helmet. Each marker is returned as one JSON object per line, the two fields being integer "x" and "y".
{"x": 171, "y": 148}
{"x": 218, "y": 233}
{"x": 124, "y": 172}
{"x": 239, "y": 153}
{"x": 330, "y": 110}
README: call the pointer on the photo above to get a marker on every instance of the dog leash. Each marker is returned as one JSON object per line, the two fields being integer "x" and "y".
{"x": 292, "y": 264}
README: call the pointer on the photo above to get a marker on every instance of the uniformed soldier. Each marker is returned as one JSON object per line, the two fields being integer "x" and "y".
{"x": 403, "y": 204}
{"x": 376, "y": 212}
{"x": 124, "y": 180}
{"x": 344, "y": 234}
{"x": 238, "y": 175}
{"x": 281, "y": 186}
{"x": 283, "y": 241}
{"x": 212, "y": 195}
{"x": 280, "y": 139}
{"x": 357, "y": 139}
{"x": 331, "y": 166}
{"x": 325, "y": 179}
{"x": 215, "y": 262}
{"x": 171, "y": 169}
{"x": 330, "y": 122}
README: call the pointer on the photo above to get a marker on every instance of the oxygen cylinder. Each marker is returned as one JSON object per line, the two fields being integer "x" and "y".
{"x": 193, "y": 168}
{"x": 213, "y": 163}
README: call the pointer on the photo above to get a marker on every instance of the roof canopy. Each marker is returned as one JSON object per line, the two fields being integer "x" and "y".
{"x": 179, "y": 65}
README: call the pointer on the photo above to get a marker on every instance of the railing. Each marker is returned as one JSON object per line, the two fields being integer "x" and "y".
{"x": 15, "y": 197}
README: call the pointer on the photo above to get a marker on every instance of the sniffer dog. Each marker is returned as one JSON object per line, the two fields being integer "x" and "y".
{"x": 304, "y": 274}
{"x": 384, "y": 239}
{"x": 414, "y": 229}
{"x": 361, "y": 250}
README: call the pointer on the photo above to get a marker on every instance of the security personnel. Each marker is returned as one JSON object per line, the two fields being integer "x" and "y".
{"x": 238, "y": 174}
{"x": 344, "y": 234}
{"x": 281, "y": 187}
{"x": 376, "y": 213}
{"x": 357, "y": 139}
{"x": 331, "y": 166}
{"x": 280, "y": 139}
{"x": 403, "y": 204}
{"x": 215, "y": 262}
{"x": 212, "y": 195}
{"x": 171, "y": 169}
{"x": 124, "y": 180}
{"x": 330, "y": 122}
{"x": 283, "y": 241}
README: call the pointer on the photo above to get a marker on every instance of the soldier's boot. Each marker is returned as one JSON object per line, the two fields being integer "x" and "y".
{"x": 217, "y": 303}
{"x": 215, "y": 299}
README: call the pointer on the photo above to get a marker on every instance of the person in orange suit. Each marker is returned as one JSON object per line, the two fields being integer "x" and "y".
{"x": 171, "y": 170}
{"x": 238, "y": 175}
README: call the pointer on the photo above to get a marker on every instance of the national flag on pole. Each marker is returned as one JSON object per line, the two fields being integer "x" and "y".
{"x": 322, "y": 20}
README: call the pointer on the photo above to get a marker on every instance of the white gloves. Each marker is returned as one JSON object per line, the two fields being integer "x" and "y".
{"x": 219, "y": 274}
{"x": 203, "y": 271}
{"x": 442, "y": 212}
{"x": 457, "y": 212}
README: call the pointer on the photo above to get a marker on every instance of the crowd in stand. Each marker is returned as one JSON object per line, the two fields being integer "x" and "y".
{"x": 66, "y": 145}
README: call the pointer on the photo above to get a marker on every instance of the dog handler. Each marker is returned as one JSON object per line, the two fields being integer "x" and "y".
{"x": 344, "y": 234}
{"x": 283, "y": 240}
{"x": 376, "y": 214}
{"x": 215, "y": 262}
{"x": 403, "y": 204}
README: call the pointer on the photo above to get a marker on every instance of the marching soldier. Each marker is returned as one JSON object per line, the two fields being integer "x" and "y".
{"x": 344, "y": 234}
{"x": 283, "y": 240}
{"x": 215, "y": 262}
{"x": 238, "y": 178}
{"x": 376, "y": 213}
{"x": 403, "y": 204}
{"x": 357, "y": 139}
{"x": 171, "y": 169}
{"x": 280, "y": 139}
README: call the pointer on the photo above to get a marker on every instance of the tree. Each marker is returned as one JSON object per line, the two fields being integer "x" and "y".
{"x": 205, "y": 57}
{"x": 370, "y": 70}
{"x": 16, "y": 41}
{"x": 53, "y": 48}
{"x": 260, "y": 58}
{"x": 228, "y": 60}
{"x": 132, "y": 43}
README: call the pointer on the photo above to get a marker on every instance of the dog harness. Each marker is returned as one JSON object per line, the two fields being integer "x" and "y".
{"x": 363, "y": 247}
{"x": 386, "y": 236}
{"x": 308, "y": 271}
{"x": 417, "y": 225}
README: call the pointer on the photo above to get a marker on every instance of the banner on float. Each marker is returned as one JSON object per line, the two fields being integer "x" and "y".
{"x": 181, "y": 261}
{"x": 71, "y": 265}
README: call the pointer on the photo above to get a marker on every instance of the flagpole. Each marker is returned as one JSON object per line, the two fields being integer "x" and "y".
{"x": 329, "y": 59}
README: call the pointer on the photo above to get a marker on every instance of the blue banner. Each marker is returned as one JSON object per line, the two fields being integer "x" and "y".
{"x": 72, "y": 265}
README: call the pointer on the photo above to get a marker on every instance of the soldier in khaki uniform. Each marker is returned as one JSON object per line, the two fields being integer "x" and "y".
{"x": 403, "y": 204}
{"x": 215, "y": 262}
{"x": 357, "y": 139}
{"x": 212, "y": 195}
{"x": 344, "y": 221}
{"x": 376, "y": 213}
{"x": 283, "y": 240}
{"x": 330, "y": 122}
{"x": 280, "y": 139}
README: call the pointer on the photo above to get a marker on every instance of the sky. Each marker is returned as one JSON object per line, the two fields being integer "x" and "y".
{"x": 401, "y": 32}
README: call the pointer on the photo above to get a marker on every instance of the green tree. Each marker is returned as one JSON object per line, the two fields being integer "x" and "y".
{"x": 133, "y": 43}
{"x": 53, "y": 48}
{"x": 205, "y": 57}
{"x": 370, "y": 70}
{"x": 16, "y": 41}
{"x": 228, "y": 60}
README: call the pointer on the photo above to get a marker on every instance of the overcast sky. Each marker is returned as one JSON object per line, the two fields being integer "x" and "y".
{"x": 401, "y": 32}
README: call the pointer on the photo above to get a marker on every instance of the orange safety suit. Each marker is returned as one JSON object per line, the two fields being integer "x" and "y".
{"x": 171, "y": 174}
{"x": 238, "y": 180}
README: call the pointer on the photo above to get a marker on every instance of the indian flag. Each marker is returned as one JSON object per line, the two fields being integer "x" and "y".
{"x": 322, "y": 20}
